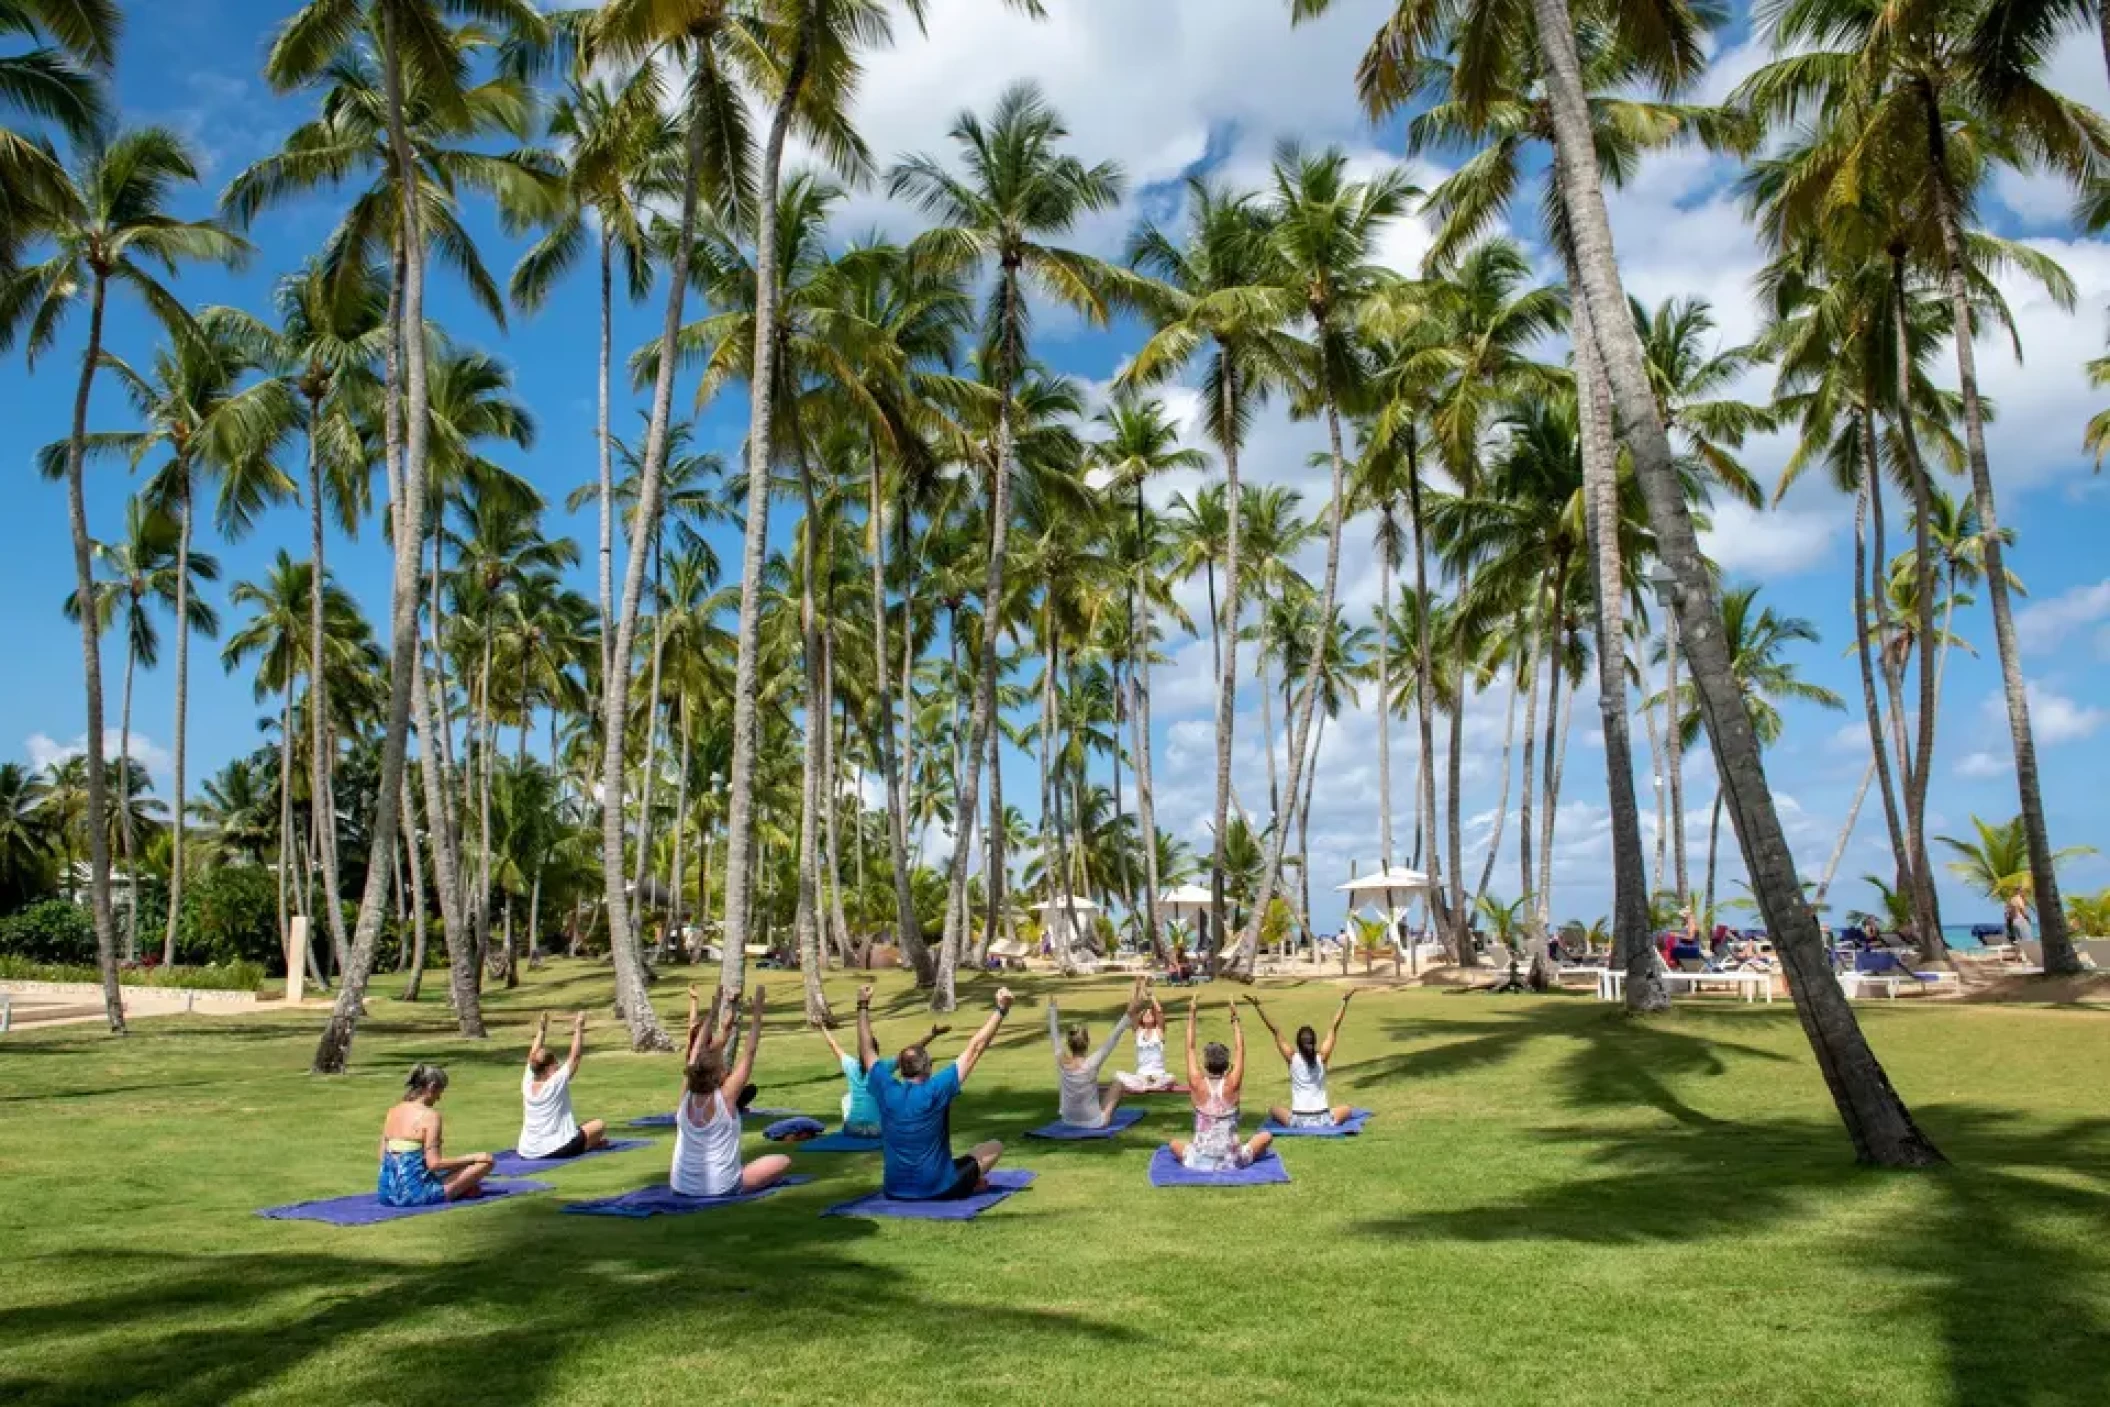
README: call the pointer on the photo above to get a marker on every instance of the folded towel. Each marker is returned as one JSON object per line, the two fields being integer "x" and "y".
{"x": 797, "y": 1129}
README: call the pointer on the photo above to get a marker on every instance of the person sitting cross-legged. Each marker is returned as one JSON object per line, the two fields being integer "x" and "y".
{"x": 547, "y": 1128}
{"x": 415, "y": 1168}
{"x": 860, "y": 1114}
{"x": 1308, "y": 1108}
{"x": 915, "y": 1120}
{"x": 1077, "y": 1065}
{"x": 1216, "y": 1076}
{"x": 707, "y": 1121}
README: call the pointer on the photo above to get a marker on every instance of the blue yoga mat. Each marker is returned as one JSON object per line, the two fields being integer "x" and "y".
{"x": 365, "y": 1209}
{"x": 511, "y": 1164}
{"x": 839, "y": 1142}
{"x": 1347, "y": 1128}
{"x": 1168, "y": 1171}
{"x": 1122, "y": 1118}
{"x": 1002, "y": 1183}
{"x": 662, "y": 1200}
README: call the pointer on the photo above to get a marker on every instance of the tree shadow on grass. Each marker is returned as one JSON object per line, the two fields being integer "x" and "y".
{"x": 2003, "y": 1255}
{"x": 1612, "y": 1062}
{"x": 523, "y": 1293}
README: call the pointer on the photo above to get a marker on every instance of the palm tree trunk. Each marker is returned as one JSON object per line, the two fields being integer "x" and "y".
{"x": 485, "y": 730}
{"x": 1224, "y": 636}
{"x": 606, "y": 445}
{"x": 1881, "y": 1128}
{"x": 417, "y": 893}
{"x": 1139, "y": 718}
{"x": 1644, "y": 990}
{"x": 1867, "y": 498}
{"x": 669, "y": 935}
{"x": 1674, "y": 753}
{"x": 92, "y": 678}
{"x": 1527, "y": 830}
{"x": 984, "y": 712}
{"x": 1714, "y": 840}
{"x": 1267, "y": 712}
{"x": 321, "y": 764}
{"x": 1453, "y": 809}
{"x": 1425, "y": 699}
{"x": 1926, "y": 904}
{"x": 125, "y": 828}
{"x": 1853, "y": 814}
{"x": 890, "y": 771}
{"x": 833, "y": 744}
{"x": 645, "y": 1031}
{"x": 806, "y": 925}
{"x": 1509, "y": 733}
{"x": 1300, "y": 733}
{"x": 183, "y": 541}
{"x": 649, "y": 782}
{"x": 998, "y": 879}
{"x": 1535, "y": 883}
{"x": 1656, "y": 781}
{"x": 761, "y": 421}
{"x": 1384, "y": 709}
{"x": 2060, "y": 957}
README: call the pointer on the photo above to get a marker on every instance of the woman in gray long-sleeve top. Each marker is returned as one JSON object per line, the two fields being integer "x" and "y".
{"x": 1083, "y": 1104}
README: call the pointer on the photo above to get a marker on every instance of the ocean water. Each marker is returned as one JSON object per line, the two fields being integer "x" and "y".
{"x": 1958, "y": 935}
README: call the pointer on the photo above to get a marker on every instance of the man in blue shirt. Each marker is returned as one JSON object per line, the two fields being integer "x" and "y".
{"x": 915, "y": 1112}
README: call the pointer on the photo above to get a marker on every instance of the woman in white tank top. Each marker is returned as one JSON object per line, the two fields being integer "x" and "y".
{"x": 1150, "y": 1072}
{"x": 707, "y": 1121}
{"x": 1307, "y": 1060}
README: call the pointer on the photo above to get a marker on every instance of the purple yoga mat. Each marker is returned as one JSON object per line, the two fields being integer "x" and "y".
{"x": 662, "y": 1200}
{"x": 1122, "y": 1118}
{"x": 1002, "y": 1183}
{"x": 1347, "y": 1128}
{"x": 839, "y": 1142}
{"x": 511, "y": 1164}
{"x": 366, "y": 1209}
{"x": 1168, "y": 1171}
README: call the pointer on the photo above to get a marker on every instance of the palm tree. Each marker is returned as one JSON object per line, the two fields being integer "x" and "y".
{"x": 26, "y": 835}
{"x": 1142, "y": 443}
{"x": 144, "y": 567}
{"x": 1490, "y": 45}
{"x": 621, "y": 150}
{"x": 421, "y": 62}
{"x": 1908, "y": 98}
{"x": 58, "y": 80}
{"x": 1997, "y": 862}
{"x": 1324, "y": 228}
{"x": 1220, "y": 288}
{"x": 1018, "y": 190}
{"x": 211, "y": 427}
{"x": 108, "y": 223}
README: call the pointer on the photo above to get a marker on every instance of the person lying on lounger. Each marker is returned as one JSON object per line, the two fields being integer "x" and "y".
{"x": 707, "y": 1121}
{"x": 1307, "y": 1061}
{"x": 860, "y": 1114}
{"x": 415, "y": 1168}
{"x": 915, "y": 1122}
{"x": 1216, "y": 1076}
{"x": 1150, "y": 1072}
{"x": 1077, "y": 1065}
{"x": 547, "y": 1128}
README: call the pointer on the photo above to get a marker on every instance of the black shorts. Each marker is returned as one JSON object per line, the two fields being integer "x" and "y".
{"x": 967, "y": 1176}
{"x": 572, "y": 1149}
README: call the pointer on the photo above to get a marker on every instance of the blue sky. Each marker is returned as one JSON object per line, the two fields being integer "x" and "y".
{"x": 1166, "y": 88}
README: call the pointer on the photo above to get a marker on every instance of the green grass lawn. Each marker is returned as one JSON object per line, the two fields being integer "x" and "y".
{"x": 1555, "y": 1205}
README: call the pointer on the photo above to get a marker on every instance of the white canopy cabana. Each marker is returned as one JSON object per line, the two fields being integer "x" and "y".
{"x": 1055, "y": 917}
{"x": 1185, "y": 899}
{"x": 1394, "y": 889}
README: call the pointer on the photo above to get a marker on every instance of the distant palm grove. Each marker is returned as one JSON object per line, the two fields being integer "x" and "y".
{"x": 801, "y": 750}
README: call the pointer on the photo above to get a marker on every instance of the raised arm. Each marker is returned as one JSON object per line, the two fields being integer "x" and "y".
{"x": 834, "y": 1046}
{"x": 1281, "y": 1045}
{"x": 1333, "y": 1032}
{"x": 867, "y": 1047}
{"x": 931, "y": 1038}
{"x": 971, "y": 1056}
{"x": 1236, "y": 1079}
{"x": 699, "y": 1030}
{"x": 1055, "y": 1031}
{"x": 541, "y": 1034}
{"x": 737, "y": 1080}
{"x": 1194, "y": 1064}
{"x": 1113, "y": 1037}
{"x": 578, "y": 1043}
{"x": 725, "y": 1031}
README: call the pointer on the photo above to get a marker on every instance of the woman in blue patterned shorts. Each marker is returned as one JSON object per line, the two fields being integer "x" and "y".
{"x": 415, "y": 1171}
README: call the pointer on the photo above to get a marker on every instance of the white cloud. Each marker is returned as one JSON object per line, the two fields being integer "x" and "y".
{"x": 43, "y": 750}
{"x": 2042, "y": 625}
{"x": 2053, "y": 717}
{"x": 1983, "y": 764}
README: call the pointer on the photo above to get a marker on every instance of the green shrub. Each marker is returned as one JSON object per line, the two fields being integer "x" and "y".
{"x": 230, "y": 914}
{"x": 226, "y": 977}
{"x": 51, "y": 930}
